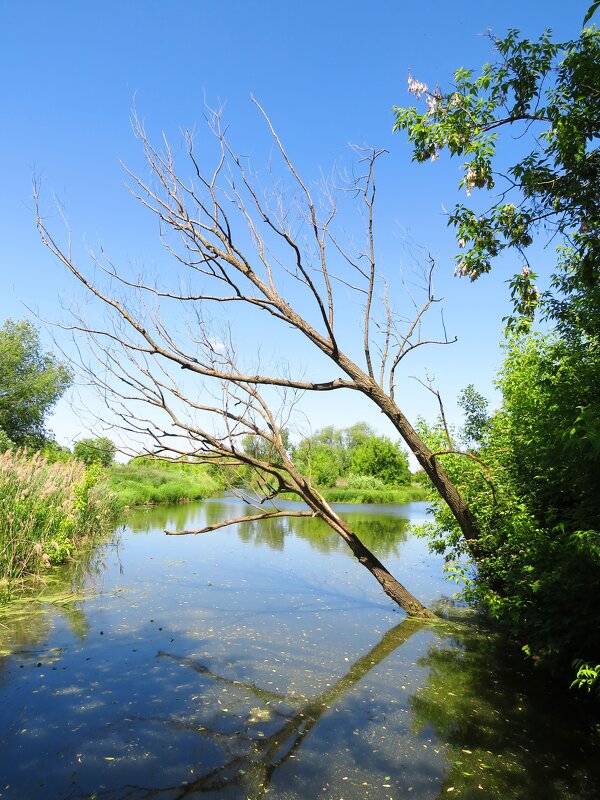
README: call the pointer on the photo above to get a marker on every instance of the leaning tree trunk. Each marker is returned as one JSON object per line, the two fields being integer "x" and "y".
{"x": 390, "y": 585}
{"x": 430, "y": 464}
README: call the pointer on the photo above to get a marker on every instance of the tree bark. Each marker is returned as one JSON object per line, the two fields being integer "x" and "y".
{"x": 390, "y": 585}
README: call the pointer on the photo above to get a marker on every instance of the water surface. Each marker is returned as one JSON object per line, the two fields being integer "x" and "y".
{"x": 264, "y": 660}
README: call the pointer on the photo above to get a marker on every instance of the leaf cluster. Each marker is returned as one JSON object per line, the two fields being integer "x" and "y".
{"x": 547, "y": 94}
{"x": 535, "y": 490}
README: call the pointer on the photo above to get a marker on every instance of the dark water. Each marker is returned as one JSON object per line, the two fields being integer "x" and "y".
{"x": 263, "y": 660}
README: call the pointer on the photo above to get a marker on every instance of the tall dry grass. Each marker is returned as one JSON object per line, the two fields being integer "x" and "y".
{"x": 46, "y": 511}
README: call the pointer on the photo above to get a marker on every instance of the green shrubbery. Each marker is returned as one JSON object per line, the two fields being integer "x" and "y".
{"x": 536, "y": 494}
{"x": 100, "y": 450}
{"x": 144, "y": 482}
{"x": 47, "y": 510}
{"x": 333, "y": 454}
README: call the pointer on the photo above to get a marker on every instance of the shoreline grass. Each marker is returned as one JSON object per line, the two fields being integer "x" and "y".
{"x": 48, "y": 511}
{"x": 400, "y": 496}
{"x": 353, "y": 496}
{"x": 145, "y": 483}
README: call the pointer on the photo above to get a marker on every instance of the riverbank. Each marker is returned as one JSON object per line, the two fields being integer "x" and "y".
{"x": 405, "y": 494}
{"x": 143, "y": 482}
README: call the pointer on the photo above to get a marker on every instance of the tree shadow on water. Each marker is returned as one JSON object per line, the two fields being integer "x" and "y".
{"x": 263, "y": 729}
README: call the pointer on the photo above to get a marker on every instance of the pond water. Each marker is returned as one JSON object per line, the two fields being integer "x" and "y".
{"x": 264, "y": 660}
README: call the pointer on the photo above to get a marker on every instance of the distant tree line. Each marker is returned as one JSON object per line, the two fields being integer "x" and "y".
{"x": 356, "y": 456}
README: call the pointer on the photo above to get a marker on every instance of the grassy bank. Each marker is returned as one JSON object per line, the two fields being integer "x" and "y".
{"x": 47, "y": 511}
{"x": 404, "y": 494}
{"x": 144, "y": 482}
{"x": 345, "y": 494}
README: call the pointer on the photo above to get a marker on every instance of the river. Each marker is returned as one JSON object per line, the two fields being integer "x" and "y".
{"x": 263, "y": 660}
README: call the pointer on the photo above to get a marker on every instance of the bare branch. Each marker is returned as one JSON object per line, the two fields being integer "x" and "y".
{"x": 253, "y": 518}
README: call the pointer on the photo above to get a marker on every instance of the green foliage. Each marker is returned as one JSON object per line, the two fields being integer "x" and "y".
{"x": 550, "y": 94}
{"x": 588, "y": 676}
{"x": 322, "y": 457}
{"x": 95, "y": 451}
{"x": 260, "y": 448}
{"x": 474, "y": 406}
{"x": 381, "y": 458}
{"x": 405, "y": 494}
{"x": 370, "y": 482}
{"x": 5, "y": 442}
{"x": 147, "y": 481}
{"x": 533, "y": 478}
{"x": 31, "y": 382}
{"x": 48, "y": 510}
{"x": 53, "y": 452}
{"x": 535, "y": 490}
{"x": 332, "y": 454}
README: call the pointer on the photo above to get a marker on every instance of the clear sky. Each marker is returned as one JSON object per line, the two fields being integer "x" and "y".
{"x": 328, "y": 74}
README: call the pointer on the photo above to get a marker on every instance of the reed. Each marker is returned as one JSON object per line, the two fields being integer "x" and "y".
{"x": 47, "y": 510}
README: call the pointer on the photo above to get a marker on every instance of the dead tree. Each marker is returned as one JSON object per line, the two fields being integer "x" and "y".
{"x": 282, "y": 261}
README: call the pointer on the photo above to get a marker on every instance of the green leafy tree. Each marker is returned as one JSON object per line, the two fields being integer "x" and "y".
{"x": 380, "y": 458}
{"x": 259, "y": 448}
{"x": 322, "y": 463}
{"x": 331, "y": 454}
{"x": 535, "y": 489}
{"x": 356, "y": 435}
{"x": 322, "y": 457}
{"x": 100, "y": 450}
{"x": 31, "y": 382}
{"x": 547, "y": 94}
{"x": 474, "y": 406}
{"x": 53, "y": 452}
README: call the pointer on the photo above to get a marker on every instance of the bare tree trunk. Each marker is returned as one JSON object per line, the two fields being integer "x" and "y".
{"x": 435, "y": 471}
{"x": 390, "y": 585}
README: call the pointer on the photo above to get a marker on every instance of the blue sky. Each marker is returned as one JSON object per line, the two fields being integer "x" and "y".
{"x": 328, "y": 74}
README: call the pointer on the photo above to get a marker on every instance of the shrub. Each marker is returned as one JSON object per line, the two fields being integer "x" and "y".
{"x": 364, "y": 482}
{"x": 95, "y": 451}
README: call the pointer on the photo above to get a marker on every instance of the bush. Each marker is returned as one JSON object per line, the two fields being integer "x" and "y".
{"x": 5, "y": 441}
{"x": 95, "y": 451}
{"x": 364, "y": 482}
{"x": 535, "y": 491}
